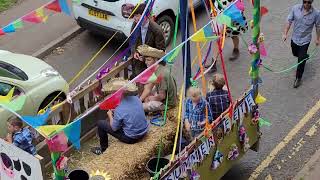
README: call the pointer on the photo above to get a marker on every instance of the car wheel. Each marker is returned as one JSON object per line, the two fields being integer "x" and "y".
{"x": 48, "y": 100}
{"x": 167, "y": 26}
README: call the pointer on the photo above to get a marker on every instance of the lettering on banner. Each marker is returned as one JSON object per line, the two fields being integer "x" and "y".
{"x": 235, "y": 115}
{"x": 242, "y": 111}
{"x": 227, "y": 125}
{"x": 249, "y": 101}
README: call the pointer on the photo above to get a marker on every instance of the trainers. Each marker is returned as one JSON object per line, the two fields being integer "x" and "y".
{"x": 297, "y": 83}
{"x": 235, "y": 54}
{"x": 97, "y": 150}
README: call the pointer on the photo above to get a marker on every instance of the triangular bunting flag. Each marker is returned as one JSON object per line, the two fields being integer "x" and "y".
{"x": 64, "y": 7}
{"x": 59, "y": 143}
{"x": 40, "y": 13}
{"x": 172, "y": 56}
{"x": 36, "y": 121}
{"x": 204, "y": 35}
{"x": 72, "y": 131}
{"x": 112, "y": 101}
{"x": 8, "y": 97}
{"x": 17, "y": 24}
{"x": 264, "y": 11}
{"x": 54, "y": 6}
{"x": 9, "y": 29}
{"x": 50, "y": 130}
{"x": 264, "y": 122}
{"x": 33, "y": 18}
{"x": 223, "y": 19}
{"x": 1, "y": 32}
{"x": 260, "y": 99}
{"x": 146, "y": 75}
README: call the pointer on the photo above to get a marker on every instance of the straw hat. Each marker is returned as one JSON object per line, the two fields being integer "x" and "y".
{"x": 115, "y": 84}
{"x": 148, "y": 51}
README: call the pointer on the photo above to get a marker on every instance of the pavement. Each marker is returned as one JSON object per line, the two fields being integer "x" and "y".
{"x": 311, "y": 170}
{"x": 34, "y": 37}
{"x": 287, "y": 108}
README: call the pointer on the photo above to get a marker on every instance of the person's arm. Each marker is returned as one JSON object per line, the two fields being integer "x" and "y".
{"x": 318, "y": 29}
{"x": 9, "y": 138}
{"x": 146, "y": 91}
{"x": 186, "y": 116}
{"x": 290, "y": 19}
{"x": 115, "y": 120}
{"x": 159, "y": 97}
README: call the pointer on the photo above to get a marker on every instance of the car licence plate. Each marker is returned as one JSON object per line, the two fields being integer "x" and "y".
{"x": 98, "y": 14}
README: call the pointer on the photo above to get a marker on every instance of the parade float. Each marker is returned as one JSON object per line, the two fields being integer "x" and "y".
{"x": 223, "y": 142}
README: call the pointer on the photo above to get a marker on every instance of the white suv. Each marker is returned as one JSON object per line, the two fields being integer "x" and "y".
{"x": 107, "y": 16}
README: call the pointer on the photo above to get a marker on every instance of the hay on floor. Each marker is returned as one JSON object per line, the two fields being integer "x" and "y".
{"x": 125, "y": 161}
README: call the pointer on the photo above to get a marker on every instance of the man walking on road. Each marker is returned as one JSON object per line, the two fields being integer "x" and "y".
{"x": 150, "y": 33}
{"x": 304, "y": 17}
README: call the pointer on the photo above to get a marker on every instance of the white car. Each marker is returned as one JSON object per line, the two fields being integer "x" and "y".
{"x": 107, "y": 16}
{"x": 31, "y": 77}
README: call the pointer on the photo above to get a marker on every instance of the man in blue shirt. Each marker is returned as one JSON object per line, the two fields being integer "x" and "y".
{"x": 303, "y": 17}
{"x": 127, "y": 122}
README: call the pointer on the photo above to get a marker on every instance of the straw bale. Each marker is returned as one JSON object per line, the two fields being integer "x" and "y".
{"x": 126, "y": 161}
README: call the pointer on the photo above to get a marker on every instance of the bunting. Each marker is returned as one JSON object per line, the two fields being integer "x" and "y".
{"x": 54, "y": 6}
{"x": 223, "y": 19}
{"x": 204, "y": 35}
{"x": 72, "y": 131}
{"x": 8, "y": 97}
{"x": 172, "y": 55}
{"x": 112, "y": 101}
{"x": 49, "y": 130}
{"x": 36, "y": 16}
{"x": 59, "y": 143}
{"x": 38, "y": 120}
{"x": 260, "y": 99}
{"x": 147, "y": 76}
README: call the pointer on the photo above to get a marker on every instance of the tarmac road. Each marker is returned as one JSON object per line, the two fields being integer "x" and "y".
{"x": 285, "y": 108}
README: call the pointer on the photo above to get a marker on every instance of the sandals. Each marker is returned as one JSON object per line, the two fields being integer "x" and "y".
{"x": 97, "y": 150}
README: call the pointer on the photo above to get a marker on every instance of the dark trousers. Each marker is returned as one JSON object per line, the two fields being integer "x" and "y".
{"x": 104, "y": 129}
{"x": 301, "y": 53}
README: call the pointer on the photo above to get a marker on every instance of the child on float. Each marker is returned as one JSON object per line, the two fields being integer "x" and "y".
{"x": 20, "y": 136}
{"x": 195, "y": 112}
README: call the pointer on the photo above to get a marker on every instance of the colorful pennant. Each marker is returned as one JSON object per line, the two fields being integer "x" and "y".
{"x": 1, "y": 32}
{"x": 72, "y": 131}
{"x": 235, "y": 14}
{"x": 17, "y": 24}
{"x": 146, "y": 76}
{"x": 204, "y": 35}
{"x": 264, "y": 122}
{"x": 112, "y": 101}
{"x": 40, "y": 13}
{"x": 59, "y": 143}
{"x": 32, "y": 18}
{"x": 223, "y": 19}
{"x": 172, "y": 56}
{"x": 64, "y": 7}
{"x": 263, "y": 50}
{"x": 260, "y": 99}
{"x": 38, "y": 120}
{"x": 9, "y": 29}
{"x": 240, "y": 5}
{"x": 54, "y": 6}
{"x": 8, "y": 97}
{"x": 50, "y": 130}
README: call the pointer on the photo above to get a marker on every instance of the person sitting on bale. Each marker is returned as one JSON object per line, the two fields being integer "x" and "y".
{"x": 218, "y": 98}
{"x": 20, "y": 136}
{"x": 195, "y": 112}
{"x": 127, "y": 122}
{"x": 165, "y": 87}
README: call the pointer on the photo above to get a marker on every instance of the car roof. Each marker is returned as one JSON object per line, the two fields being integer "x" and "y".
{"x": 30, "y": 65}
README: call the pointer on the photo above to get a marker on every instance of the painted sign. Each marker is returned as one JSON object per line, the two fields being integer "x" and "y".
{"x": 18, "y": 164}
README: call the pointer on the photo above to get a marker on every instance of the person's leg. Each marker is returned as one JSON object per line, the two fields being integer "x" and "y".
{"x": 102, "y": 133}
{"x": 235, "y": 52}
{"x": 302, "y": 56}
{"x": 153, "y": 106}
{"x": 120, "y": 135}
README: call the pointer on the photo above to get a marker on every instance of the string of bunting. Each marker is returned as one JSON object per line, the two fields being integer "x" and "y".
{"x": 36, "y": 16}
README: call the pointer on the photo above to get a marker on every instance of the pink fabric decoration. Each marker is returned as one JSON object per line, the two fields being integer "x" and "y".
{"x": 58, "y": 143}
{"x": 144, "y": 76}
{"x": 62, "y": 163}
{"x": 263, "y": 51}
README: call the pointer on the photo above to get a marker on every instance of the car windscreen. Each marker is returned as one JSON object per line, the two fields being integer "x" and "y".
{"x": 13, "y": 71}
